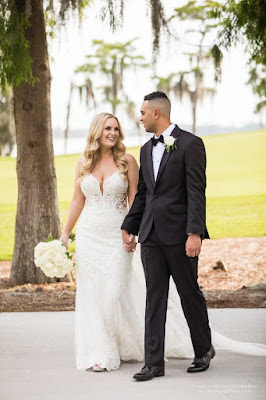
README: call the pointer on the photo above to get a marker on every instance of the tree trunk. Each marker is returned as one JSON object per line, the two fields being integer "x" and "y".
{"x": 37, "y": 208}
{"x": 66, "y": 134}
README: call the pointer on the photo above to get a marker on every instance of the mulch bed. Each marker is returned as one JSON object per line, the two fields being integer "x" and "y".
{"x": 232, "y": 274}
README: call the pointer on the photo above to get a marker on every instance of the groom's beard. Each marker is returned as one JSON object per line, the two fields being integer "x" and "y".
{"x": 149, "y": 129}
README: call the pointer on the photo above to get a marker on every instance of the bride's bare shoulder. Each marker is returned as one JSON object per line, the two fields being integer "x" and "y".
{"x": 132, "y": 165}
{"x": 80, "y": 163}
{"x": 130, "y": 159}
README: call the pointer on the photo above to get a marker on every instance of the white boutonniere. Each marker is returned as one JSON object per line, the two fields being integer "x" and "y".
{"x": 170, "y": 143}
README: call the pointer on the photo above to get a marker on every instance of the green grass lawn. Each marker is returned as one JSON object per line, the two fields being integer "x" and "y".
{"x": 236, "y": 187}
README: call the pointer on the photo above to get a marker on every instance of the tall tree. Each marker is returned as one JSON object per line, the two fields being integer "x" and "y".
{"x": 66, "y": 133}
{"x": 24, "y": 64}
{"x": 257, "y": 79}
{"x": 110, "y": 61}
{"x": 191, "y": 81}
{"x": 244, "y": 21}
{"x": 37, "y": 208}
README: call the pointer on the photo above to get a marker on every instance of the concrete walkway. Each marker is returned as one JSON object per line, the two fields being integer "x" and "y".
{"x": 37, "y": 363}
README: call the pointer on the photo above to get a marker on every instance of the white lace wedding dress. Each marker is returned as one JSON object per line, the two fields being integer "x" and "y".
{"x": 106, "y": 325}
{"x": 110, "y": 297}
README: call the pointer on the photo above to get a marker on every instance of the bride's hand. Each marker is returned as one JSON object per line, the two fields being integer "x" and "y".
{"x": 130, "y": 248}
{"x": 129, "y": 241}
{"x": 64, "y": 239}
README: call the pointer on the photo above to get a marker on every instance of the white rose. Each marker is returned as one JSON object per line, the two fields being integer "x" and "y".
{"x": 37, "y": 262}
{"x": 43, "y": 260}
{"x": 56, "y": 243}
{"x": 40, "y": 249}
{"x": 169, "y": 140}
{"x": 58, "y": 260}
{"x": 56, "y": 246}
{"x": 67, "y": 266}
{"x": 48, "y": 270}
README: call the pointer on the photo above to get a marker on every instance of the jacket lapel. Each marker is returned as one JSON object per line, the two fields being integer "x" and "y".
{"x": 149, "y": 161}
{"x": 175, "y": 133}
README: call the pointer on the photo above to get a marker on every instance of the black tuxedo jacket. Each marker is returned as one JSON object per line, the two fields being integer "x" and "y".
{"x": 176, "y": 202}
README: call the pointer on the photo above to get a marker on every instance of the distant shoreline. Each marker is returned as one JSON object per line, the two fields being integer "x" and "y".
{"x": 76, "y": 144}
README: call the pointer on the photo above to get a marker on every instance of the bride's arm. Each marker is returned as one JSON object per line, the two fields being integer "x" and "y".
{"x": 133, "y": 177}
{"x": 76, "y": 205}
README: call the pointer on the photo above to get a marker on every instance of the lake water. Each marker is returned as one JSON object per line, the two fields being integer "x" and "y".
{"x": 77, "y": 145}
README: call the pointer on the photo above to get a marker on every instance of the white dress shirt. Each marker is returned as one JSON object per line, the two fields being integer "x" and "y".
{"x": 158, "y": 150}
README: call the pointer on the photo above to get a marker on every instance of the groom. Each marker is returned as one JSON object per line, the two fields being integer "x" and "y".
{"x": 168, "y": 213}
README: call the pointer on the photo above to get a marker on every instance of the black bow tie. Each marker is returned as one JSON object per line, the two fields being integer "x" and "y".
{"x": 155, "y": 141}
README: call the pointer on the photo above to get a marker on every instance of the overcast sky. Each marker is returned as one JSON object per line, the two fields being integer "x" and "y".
{"x": 233, "y": 104}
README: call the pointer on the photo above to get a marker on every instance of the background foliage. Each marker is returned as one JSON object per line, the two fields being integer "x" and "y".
{"x": 236, "y": 187}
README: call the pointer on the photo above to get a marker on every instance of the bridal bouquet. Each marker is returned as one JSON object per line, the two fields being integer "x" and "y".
{"x": 53, "y": 258}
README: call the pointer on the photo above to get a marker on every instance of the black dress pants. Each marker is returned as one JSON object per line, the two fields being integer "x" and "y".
{"x": 160, "y": 262}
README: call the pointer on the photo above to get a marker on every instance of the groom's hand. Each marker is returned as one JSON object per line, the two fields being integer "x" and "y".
{"x": 129, "y": 241}
{"x": 193, "y": 245}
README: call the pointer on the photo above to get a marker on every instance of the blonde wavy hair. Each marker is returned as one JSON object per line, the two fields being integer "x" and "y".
{"x": 92, "y": 152}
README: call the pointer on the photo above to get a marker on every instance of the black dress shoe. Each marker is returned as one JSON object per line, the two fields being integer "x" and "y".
{"x": 148, "y": 372}
{"x": 202, "y": 363}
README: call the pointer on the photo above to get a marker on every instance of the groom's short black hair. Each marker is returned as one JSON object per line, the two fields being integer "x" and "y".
{"x": 156, "y": 95}
{"x": 159, "y": 100}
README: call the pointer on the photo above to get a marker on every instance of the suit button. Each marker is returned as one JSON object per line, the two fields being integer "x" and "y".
{"x": 155, "y": 195}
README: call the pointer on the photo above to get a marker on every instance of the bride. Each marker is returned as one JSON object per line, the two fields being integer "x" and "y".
{"x": 110, "y": 296}
{"x": 106, "y": 320}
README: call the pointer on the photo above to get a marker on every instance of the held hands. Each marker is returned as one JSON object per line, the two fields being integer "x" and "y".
{"x": 129, "y": 241}
{"x": 193, "y": 245}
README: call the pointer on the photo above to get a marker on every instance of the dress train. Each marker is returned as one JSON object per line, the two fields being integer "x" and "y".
{"x": 177, "y": 338}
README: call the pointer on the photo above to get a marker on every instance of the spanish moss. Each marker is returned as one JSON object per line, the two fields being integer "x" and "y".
{"x": 158, "y": 22}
